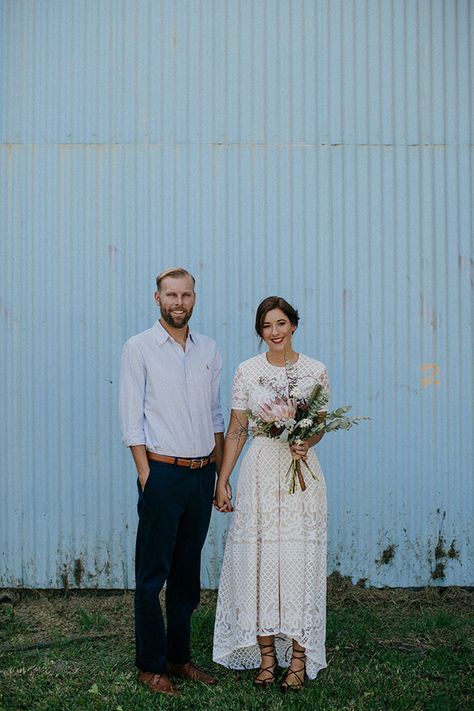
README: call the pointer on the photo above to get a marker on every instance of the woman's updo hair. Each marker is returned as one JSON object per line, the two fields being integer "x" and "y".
{"x": 274, "y": 302}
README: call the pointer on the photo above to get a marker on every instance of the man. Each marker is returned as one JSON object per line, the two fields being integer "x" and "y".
{"x": 172, "y": 422}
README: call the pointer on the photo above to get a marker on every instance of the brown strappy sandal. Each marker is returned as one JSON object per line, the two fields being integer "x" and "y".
{"x": 268, "y": 651}
{"x": 300, "y": 675}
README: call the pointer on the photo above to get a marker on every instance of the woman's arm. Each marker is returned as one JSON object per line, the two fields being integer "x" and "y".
{"x": 235, "y": 439}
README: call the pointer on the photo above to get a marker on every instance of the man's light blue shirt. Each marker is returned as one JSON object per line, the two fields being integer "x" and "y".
{"x": 169, "y": 397}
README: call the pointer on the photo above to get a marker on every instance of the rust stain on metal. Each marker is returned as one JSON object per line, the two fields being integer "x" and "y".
{"x": 78, "y": 572}
{"x": 387, "y": 556}
{"x": 442, "y": 553}
{"x": 453, "y": 551}
{"x": 439, "y": 571}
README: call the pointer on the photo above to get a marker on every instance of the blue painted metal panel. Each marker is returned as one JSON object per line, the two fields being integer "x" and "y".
{"x": 321, "y": 150}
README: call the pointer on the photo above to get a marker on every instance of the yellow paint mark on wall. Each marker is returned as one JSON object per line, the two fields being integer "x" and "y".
{"x": 430, "y": 379}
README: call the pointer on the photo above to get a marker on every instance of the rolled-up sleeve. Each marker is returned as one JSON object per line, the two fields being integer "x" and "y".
{"x": 132, "y": 395}
{"x": 217, "y": 417}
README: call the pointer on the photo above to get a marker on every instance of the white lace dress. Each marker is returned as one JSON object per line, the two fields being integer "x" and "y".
{"x": 273, "y": 577}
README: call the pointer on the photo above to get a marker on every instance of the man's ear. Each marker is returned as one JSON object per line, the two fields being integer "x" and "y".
{"x": 157, "y": 298}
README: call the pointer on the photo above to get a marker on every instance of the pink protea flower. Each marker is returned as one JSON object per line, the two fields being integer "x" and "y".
{"x": 278, "y": 410}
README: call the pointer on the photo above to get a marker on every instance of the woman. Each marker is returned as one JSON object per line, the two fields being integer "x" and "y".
{"x": 271, "y": 608}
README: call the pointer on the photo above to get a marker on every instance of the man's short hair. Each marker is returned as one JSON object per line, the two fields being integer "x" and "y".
{"x": 173, "y": 272}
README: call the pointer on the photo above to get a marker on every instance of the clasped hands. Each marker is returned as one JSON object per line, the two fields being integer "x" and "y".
{"x": 223, "y": 493}
{"x": 223, "y": 498}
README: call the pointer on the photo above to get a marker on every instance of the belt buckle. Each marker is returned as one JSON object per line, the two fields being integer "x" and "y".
{"x": 196, "y": 463}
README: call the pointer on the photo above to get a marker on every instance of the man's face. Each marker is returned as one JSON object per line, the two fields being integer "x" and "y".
{"x": 176, "y": 300}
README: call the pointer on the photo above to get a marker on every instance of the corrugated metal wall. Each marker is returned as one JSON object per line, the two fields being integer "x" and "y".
{"x": 320, "y": 150}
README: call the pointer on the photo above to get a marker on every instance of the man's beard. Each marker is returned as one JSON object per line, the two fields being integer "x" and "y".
{"x": 167, "y": 316}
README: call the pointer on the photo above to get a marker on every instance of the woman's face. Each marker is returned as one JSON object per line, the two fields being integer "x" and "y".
{"x": 277, "y": 331}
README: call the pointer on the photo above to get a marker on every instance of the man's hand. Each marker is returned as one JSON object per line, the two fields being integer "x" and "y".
{"x": 143, "y": 478}
{"x": 223, "y": 498}
{"x": 141, "y": 462}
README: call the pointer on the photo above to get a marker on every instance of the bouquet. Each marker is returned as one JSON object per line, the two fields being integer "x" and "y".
{"x": 294, "y": 420}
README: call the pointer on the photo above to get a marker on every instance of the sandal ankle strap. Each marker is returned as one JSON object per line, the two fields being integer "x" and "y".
{"x": 267, "y": 650}
{"x": 299, "y": 654}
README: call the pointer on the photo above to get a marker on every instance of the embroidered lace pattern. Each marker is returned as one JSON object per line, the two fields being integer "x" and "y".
{"x": 273, "y": 578}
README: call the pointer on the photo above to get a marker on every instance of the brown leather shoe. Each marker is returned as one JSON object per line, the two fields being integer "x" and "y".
{"x": 189, "y": 671}
{"x": 159, "y": 683}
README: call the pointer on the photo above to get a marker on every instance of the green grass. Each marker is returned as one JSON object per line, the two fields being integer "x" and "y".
{"x": 387, "y": 650}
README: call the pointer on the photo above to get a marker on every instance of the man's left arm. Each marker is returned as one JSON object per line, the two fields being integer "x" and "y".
{"x": 219, "y": 448}
{"x": 217, "y": 417}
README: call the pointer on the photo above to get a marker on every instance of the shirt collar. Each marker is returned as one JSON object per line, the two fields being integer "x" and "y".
{"x": 162, "y": 335}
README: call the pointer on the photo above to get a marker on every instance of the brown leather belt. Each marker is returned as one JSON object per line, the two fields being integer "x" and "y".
{"x": 181, "y": 462}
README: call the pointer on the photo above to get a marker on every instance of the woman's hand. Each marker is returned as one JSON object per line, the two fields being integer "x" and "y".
{"x": 299, "y": 450}
{"x": 223, "y": 498}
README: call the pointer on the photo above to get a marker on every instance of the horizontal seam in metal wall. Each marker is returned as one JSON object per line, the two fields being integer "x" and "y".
{"x": 245, "y": 145}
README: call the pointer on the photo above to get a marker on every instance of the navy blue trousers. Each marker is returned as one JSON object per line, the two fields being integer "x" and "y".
{"x": 174, "y": 512}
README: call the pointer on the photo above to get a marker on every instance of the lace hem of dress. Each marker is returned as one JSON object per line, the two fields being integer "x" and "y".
{"x": 247, "y": 654}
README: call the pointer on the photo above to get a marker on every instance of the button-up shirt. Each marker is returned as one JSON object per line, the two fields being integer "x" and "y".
{"x": 169, "y": 397}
